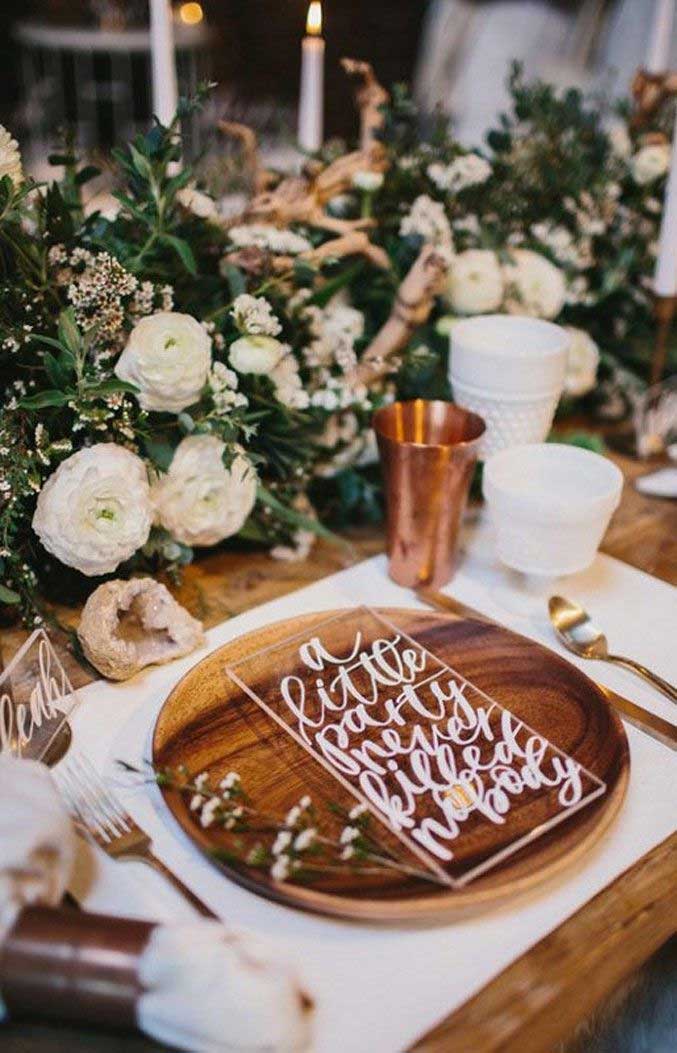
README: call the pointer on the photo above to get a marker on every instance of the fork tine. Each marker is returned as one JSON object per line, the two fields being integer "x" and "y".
{"x": 78, "y": 804}
{"x": 87, "y": 794}
{"x": 109, "y": 804}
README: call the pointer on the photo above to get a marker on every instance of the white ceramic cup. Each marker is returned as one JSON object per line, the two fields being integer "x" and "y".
{"x": 510, "y": 370}
{"x": 550, "y": 506}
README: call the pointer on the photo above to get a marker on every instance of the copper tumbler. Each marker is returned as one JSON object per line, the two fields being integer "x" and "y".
{"x": 428, "y": 453}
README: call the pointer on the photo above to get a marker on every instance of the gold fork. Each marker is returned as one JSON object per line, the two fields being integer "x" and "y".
{"x": 99, "y": 815}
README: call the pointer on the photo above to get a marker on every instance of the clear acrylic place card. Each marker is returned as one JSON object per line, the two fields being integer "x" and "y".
{"x": 458, "y": 778}
{"x": 36, "y": 699}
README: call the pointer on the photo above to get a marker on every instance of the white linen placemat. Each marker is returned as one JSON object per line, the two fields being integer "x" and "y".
{"x": 379, "y": 988}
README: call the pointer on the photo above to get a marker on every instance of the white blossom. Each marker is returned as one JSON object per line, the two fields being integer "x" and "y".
{"x": 209, "y": 811}
{"x": 349, "y": 834}
{"x": 357, "y": 811}
{"x": 367, "y": 181}
{"x": 10, "y": 157}
{"x": 167, "y": 356}
{"x": 650, "y": 163}
{"x": 427, "y": 219}
{"x": 196, "y": 201}
{"x": 270, "y": 238}
{"x": 536, "y": 286}
{"x": 253, "y": 315}
{"x": 582, "y": 363}
{"x": 282, "y": 842}
{"x": 305, "y": 839}
{"x": 200, "y": 501}
{"x": 475, "y": 282}
{"x": 280, "y": 868}
{"x": 255, "y": 354}
{"x": 94, "y": 511}
{"x": 289, "y": 388}
{"x": 469, "y": 170}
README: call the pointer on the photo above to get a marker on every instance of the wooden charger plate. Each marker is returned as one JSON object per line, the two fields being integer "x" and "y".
{"x": 210, "y": 724}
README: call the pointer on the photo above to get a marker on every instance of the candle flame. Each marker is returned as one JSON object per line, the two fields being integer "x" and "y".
{"x": 314, "y": 20}
{"x": 191, "y": 14}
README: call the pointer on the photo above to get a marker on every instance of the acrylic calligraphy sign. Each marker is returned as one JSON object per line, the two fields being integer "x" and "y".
{"x": 36, "y": 698}
{"x": 456, "y": 776}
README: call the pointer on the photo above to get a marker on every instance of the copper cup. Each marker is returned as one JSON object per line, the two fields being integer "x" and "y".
{"x": 428, "y": 453}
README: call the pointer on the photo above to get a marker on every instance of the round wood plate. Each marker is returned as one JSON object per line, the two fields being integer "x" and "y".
{"x": 209, "y": 724}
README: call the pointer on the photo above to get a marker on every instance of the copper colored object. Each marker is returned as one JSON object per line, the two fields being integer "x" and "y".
{"x": 67, "y": 965}
{"x": 428, "y": 452}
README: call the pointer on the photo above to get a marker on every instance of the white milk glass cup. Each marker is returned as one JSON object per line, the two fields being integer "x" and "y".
{"x": 510, "y": 370}
{"x": 550, "y": 505}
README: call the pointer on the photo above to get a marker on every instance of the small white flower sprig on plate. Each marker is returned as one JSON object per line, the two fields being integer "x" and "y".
{"x": 290, "y": 847}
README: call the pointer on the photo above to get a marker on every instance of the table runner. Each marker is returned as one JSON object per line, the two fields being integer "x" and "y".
{"x": 379, "y": 988}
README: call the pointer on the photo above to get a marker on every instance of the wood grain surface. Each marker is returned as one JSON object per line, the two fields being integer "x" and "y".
{"x": 209, "y": 724}
{"x": 642, "y": 533}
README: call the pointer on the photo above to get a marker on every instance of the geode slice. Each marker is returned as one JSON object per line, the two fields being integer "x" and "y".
{"x": 127, "y": 625}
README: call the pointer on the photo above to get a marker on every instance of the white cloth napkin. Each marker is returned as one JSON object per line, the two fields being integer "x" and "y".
{"x": 211, "y": 990}
{"x": 36, "y": 839}
{"x": 207, "y": 989}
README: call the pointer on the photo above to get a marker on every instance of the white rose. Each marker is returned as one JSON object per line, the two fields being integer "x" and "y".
{"x": 475, "y": 282}
{"x": 199, "y": 501}
{"x": 650, "y": 163}
{"x": 10, "y": 158}
{"x": 469, "y": 170}
{"x": 94, "y": 511}
{"x": 255, "y": 354}
{"x": 582, "y": 363}
{"x": 368, "y": 181}
{"x": 197, "y": 202}
{"x": 167, "y": 356}
{"x": 536, "y": 286}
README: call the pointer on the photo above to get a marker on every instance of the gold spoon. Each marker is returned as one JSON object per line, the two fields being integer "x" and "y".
{"x": 579, "y": 635}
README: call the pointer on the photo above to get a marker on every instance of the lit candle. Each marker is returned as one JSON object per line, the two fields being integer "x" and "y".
{"x": 311, "y": 105}
{"x": 163, "y": 61}
{"x": 665, "y": 281}
{"x": 660, "y": 38}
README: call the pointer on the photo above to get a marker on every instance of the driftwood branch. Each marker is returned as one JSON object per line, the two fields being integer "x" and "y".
{"x": 412, "y": 308}
{"x": 650, "y": 92}
{"x": 249, "y": 144}
{"x": 370, "y": 97}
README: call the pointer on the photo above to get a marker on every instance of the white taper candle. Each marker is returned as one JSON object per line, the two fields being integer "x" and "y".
{"x": 660, "y": 37}
{"x": 665, "y": 281}
{"x": 163, "y": 61}
{"x": 311, "y": 103}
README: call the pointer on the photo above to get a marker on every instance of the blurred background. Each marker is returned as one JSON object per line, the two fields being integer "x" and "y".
{"x": 85, "y": 63}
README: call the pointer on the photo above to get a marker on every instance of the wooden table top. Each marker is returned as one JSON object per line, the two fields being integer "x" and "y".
{"x": 575, "y": 968}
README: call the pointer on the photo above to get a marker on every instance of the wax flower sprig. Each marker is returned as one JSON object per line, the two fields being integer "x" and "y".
{"x": 289, "y": 847}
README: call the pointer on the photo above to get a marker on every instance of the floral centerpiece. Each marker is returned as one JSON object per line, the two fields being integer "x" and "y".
{"x": 174, "y": 376}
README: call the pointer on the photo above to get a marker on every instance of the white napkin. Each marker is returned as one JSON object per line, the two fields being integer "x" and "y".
{"x": 36, "y": 839}
{"x": 210, "y": 990}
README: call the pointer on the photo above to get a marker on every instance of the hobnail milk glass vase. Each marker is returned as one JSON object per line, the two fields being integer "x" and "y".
{"x": 510, "y": 370}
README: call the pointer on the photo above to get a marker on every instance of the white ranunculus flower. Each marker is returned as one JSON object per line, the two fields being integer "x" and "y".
{"x": 465, "y": 171}
{"x": 94, "y": 511}
{"x": 167, "y": 356}
{"x": 255, "y": 354}
{"x": 582, "y": 363}
{"x": 10, "y": 158}
{"x": 650, "y": 163}
{"x": 475, "y": 282}
{"x": 199, "y": 501}
{"x": 535, "y": 286}
{"x": 368, "y": 181}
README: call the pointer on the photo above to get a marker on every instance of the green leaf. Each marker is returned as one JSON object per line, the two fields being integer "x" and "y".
{"x": 183, "y": 251}
{"x": 69, "y": 334}
{"x": 54, "y": 370}
{"x": 186, "y": 423}
{"x": 236, "y": 280}
{"x": 290, "y": 515}
{"x": 141, "y": 163}
{"x": 44, "y": 399}
{"x": 9, "y": 595}
{"x": 160, "y": 452}
{"x": 113, "y": 387}
{"x": 86, "y": 173}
